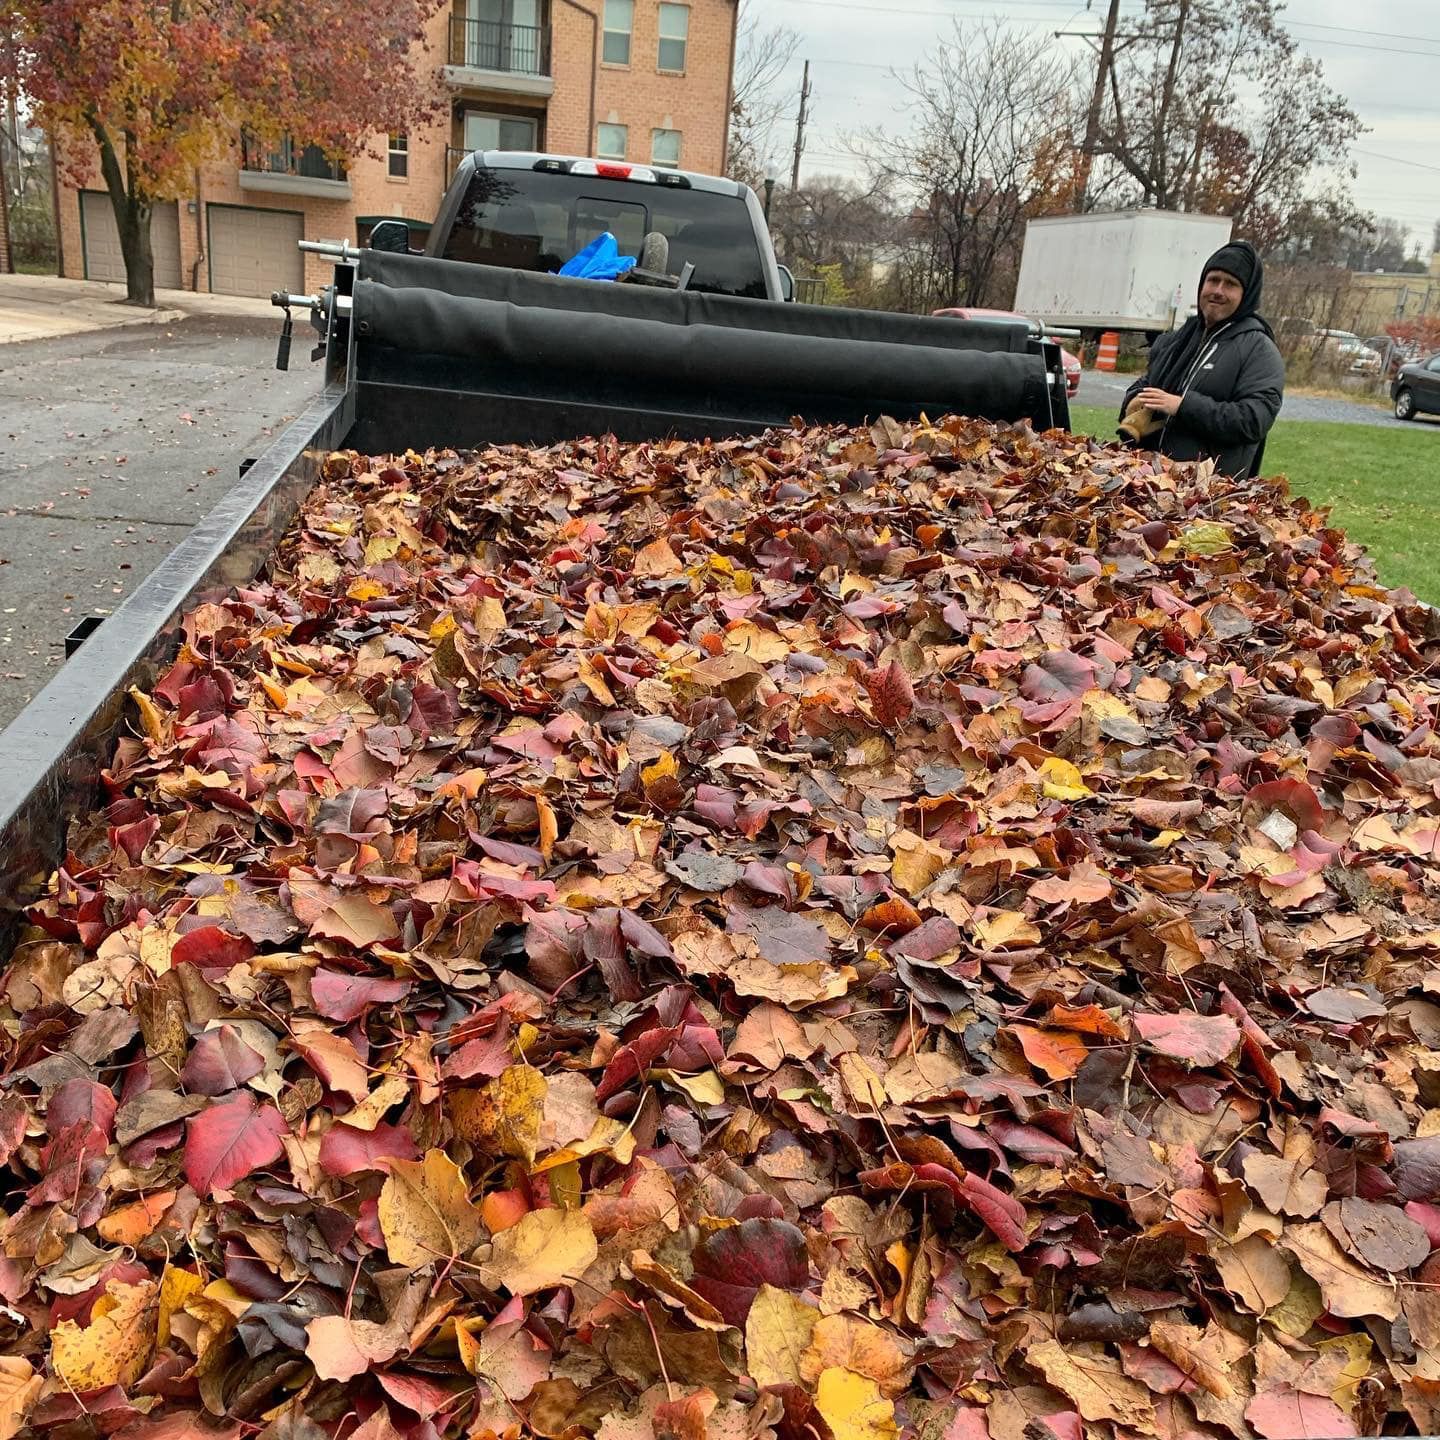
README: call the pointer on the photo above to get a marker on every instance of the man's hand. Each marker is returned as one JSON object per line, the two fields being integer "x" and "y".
{"x": 1161, "y": 400}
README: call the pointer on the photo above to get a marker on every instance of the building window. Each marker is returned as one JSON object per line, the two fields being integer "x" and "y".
{"x": 399, "y": 156}
{"x": 611, "y": 142}
{"x": 499, "y": 132}
{"x": 665, "y": 149}
{"x": 619, "y": 21}
{"x": 674, "y": 32}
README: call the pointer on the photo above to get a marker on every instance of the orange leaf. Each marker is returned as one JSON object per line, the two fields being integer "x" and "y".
{"x": 1087, "y": 1019}
{"x": 893, "y": 914}
{"x": 130, "y": 1224}
{"x": 1057, "y": 1052}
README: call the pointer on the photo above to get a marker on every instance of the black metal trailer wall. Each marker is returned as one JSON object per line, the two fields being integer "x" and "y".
{"x": 51, "y": 757}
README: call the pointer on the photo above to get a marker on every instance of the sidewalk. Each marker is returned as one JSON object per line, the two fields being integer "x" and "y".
{"x": 39, "y": 307}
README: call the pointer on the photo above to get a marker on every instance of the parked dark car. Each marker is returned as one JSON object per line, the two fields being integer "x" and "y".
{"x": 1416, "y": 389}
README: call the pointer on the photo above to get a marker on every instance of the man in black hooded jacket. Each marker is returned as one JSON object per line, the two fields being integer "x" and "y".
{"x": 1213, "y": 387}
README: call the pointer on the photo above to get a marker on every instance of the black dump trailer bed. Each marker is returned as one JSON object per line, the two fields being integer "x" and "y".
{"x": 422, "y": 352}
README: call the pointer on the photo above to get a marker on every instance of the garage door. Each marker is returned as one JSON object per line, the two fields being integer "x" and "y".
{"x": 103, "y": 260}
{"x": 255, "y": 252}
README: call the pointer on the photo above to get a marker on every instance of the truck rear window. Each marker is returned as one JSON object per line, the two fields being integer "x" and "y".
{"x": 537, "y": 220}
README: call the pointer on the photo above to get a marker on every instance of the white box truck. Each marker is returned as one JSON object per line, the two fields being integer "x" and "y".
{"x": 1123, "y": 270}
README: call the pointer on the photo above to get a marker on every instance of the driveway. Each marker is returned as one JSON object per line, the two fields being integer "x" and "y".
{"x": 114, "y": 443}
{"x": 1099, "y": 388}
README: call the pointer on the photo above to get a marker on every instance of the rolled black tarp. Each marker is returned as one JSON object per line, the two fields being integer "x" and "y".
{"x": 656, "y": 362}
{"x": 683, "y": 308}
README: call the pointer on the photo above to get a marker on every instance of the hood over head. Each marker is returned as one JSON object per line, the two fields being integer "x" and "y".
{"x": 1240, "y": 259}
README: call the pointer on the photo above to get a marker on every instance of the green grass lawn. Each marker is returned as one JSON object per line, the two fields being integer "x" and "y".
{"x": 1382, "y": 485}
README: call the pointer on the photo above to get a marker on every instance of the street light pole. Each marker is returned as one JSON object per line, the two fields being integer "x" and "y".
{"x": 769, "y": 195}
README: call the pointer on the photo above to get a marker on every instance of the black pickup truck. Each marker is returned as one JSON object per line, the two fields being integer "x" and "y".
{"x": 533, "y": 212}
{"x": 450, "y": 349}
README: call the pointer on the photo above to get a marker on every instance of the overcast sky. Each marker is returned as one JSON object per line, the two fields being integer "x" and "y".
{"x": 1391, "y": 77}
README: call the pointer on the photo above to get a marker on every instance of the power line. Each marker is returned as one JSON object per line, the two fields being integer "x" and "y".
{"x": 1373, "y": 34}
{"x": 1396, "y": 160}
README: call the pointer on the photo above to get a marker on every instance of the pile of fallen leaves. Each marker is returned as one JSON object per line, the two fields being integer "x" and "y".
{"x": 793, "y": 939}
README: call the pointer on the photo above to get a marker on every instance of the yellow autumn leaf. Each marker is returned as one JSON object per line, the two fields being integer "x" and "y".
{"x": 594, "y": 681}
{"x": 425, "y": 1211}
{"x": 150, "y": 716}
{"x": 606, "y": 1134}
{"x": 371, "y": 1111}
{"x": 380, "y": 548}
{"x": 917, "y": 862}
{"x": 1062, "y": 781}
{"x": 519, "y": 1110}
{"x": 1105, "y": 706}
{"x": 176, "y": 1287}
{"x": 1005, "y": 927}
{"x": 115, "y": 1347}
{"x": 442, "y": 625}
{"x": 777, "y": 1331}
{"x": 543, "y": 1249}
{"x": 863, "y": 1082}
{"x": 490, "y": 622}
{"x": 706, "y": 1088}
{"x": 19, "y": 1385}
{"x": 664, "y": 767}
{"x": 853, "y": 1406}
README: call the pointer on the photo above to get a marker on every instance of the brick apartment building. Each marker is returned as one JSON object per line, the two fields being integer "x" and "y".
{"x": 640, "y": 80}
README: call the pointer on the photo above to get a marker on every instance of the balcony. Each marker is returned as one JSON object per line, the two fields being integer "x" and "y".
{"x": 291, "y": 169}
{"x": 490, "y": 55}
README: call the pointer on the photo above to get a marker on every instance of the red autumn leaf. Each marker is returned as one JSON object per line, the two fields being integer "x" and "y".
{"x": 1293, "y": 798}
{"x": 344, "y": 998}
{"x": 416, "y": 1393}
{"x": 81, "y": 1099}
{"x": 892, "y": 697}
{"x": 1059, "y": 675}
{"x": 228, "y": 1140}
{"x": 1198, "y": 1040}
{"x": 345, "y": 1150}
{"x": 211, "y": 946}
{"x": 1288, "y": 1414}
{"x": 1003, "y": 1214}
{"x": 220, "y": 1061}
{"x": 733, "y": 1263}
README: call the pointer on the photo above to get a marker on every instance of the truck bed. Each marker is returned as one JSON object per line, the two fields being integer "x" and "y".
{"x": 422, "y": 352}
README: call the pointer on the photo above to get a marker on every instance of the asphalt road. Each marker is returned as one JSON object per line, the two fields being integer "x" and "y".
{"x": 115, "y": 443}
{"x": 1098, "y": 388}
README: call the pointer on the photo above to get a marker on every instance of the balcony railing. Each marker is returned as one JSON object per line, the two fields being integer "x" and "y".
{"x": 494, "y": 45}
{"x": 306, "y": 161}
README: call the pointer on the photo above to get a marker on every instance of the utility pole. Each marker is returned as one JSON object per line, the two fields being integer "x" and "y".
{"x": 1097, "y": 103}
{"x": 800, "y": 120}
{"x": 1159, "y": 159}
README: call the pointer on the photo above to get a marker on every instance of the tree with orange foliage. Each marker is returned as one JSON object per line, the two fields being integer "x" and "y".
{"x": 154, "y": 90}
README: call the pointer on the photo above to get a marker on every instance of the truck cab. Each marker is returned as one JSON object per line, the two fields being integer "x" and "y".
{"x": 529, "y": 211}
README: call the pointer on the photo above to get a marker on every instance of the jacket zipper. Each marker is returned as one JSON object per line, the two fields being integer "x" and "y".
{"x": 1194, "y": 371}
